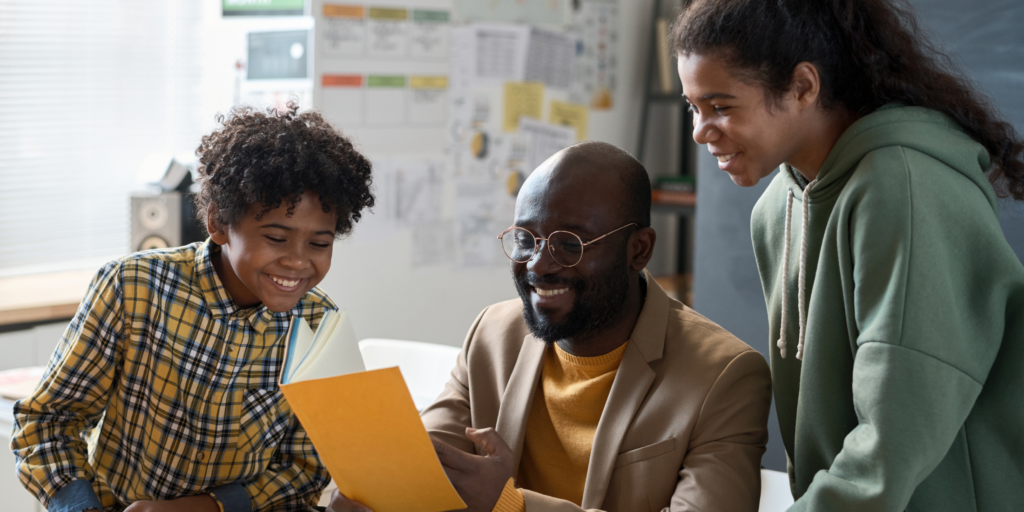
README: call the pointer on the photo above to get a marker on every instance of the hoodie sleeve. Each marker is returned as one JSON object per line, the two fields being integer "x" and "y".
{"x": 929, "y": 311}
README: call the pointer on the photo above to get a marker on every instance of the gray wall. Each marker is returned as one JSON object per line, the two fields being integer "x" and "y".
{"x": 987, "y": 37}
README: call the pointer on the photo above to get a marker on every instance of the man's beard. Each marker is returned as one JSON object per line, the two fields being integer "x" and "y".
{"x": 594, "y": 307}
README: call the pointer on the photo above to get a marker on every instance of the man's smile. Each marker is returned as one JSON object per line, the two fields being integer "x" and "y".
{"x": 550, "y": 293}
{"x": 560, "y": 297}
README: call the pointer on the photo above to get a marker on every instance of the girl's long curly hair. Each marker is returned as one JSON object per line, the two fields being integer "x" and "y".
{"x": 263, "y": 158}
{"x": 868, "y": 53}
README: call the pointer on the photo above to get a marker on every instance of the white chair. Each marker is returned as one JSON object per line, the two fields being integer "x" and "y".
{"x": 775, "y": 493}
{"x": 425, "y": 367}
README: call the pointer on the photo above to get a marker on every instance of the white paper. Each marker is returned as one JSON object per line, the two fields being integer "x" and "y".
{"x": 387, "y": 38}
{"x": 429, "y": 39}
{"x": 545, "y": 12}
{"x": 596, "y": 67}
{"x": 379, "y": 222}
{"x": 550, "y": 58}
{"x": 477, "y": 219}
{"x": 331, "y": 357}
{"x": 477, "y": 142}
{"x": 500, "y": 52}
{"x": 386, "y": 106}
{"x": 433, "y": 244}
{"x": 463, "y": 63}
{"x": 343, "y": 37}
{"x": 543, "y": 140}
{"x": 343, "y": 106}
{"x": 418, "y": 191}
{"x": 428, "y": 106}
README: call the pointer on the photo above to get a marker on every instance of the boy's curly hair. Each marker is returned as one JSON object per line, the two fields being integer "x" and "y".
{"x": 268, "y": 157}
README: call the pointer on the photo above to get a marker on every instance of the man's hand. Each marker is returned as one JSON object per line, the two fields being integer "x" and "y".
{"x": 339, "y": 503}
{"x": 200, "y": 503}
{"x": 478, "y": 479}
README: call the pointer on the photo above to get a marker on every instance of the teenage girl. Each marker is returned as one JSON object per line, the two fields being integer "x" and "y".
{"x": 896, "y": 306}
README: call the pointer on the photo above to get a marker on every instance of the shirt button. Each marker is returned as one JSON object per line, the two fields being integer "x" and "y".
{"x": 201, "y": 456}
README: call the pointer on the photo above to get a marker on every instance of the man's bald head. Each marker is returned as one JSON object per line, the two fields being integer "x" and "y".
{"x": 592, "y": 163}
{"x": 592, "y": 193}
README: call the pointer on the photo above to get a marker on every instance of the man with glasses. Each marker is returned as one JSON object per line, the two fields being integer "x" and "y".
{"x": 596, "y": 390}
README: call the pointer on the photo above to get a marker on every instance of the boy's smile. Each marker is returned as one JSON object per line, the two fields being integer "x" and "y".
{"x": 276, "y": 259}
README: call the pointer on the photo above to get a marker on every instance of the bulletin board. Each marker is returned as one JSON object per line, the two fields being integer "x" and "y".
{"x": 456, "y": 102}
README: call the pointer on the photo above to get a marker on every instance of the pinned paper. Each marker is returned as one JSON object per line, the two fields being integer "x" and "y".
{"x": 428, "y": 37}
{"x": 549, "y": 58}
{"x": 342, "y": 95}
{"x": 572, "y": 115}
{"x": 385, "y": 100}
{"x": 369, "y": 436}
{"x": 499, "y": 52}
{"x": 428, "y": 97}
{"x": 344, "y": 31}
{"x": 522, "y": 99}
{"x": 428, "y": 82}
{"x": 544, "y": 140}
{"x": 388, "y": 32}
{"x": 545, "y": 12}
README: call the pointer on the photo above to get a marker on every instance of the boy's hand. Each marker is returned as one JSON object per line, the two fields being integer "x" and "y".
{"x": 200, "y": 503}
{"x": 339, "y": 503}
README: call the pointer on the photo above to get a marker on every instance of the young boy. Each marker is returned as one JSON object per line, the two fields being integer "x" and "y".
{"x": 162, "y": 394}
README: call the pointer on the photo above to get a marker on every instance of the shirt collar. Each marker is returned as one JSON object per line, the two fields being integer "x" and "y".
{"x": 216, "y": 296}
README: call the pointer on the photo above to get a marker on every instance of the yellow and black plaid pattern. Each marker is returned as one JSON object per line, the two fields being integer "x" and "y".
{"x": 161, "y": 388}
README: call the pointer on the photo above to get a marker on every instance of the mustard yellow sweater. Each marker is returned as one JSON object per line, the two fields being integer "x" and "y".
{"x": 561, "y": 426}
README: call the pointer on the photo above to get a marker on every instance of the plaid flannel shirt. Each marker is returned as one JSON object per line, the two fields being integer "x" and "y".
{"x": 161, "y": 388}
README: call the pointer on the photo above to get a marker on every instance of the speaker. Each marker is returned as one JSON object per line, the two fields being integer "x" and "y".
{"x": 164, "y": 219}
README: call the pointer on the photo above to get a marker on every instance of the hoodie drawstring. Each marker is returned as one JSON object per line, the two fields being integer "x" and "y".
{"x": 785, "y": 272}
{"x": 801, "y": 276}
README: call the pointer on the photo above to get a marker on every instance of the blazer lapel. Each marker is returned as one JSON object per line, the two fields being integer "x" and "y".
{"x": 518, "y": 395}
{"x": 632, "y": 381}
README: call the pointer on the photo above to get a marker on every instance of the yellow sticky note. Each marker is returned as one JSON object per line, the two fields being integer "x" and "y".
{"x": 572, "y": 115}
{"x": 428, "y": 82}
{"x": 367, "y": 431}
{"x": 522, "y": 99}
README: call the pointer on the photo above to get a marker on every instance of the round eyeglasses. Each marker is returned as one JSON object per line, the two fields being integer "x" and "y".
{"x": 566, "y": 248}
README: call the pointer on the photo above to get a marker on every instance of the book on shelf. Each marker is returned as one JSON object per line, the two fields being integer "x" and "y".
{"x": 363, "y": 425}
{"x": 673, "y": 197}
{"x": 665, "y": 70}
{"x": 681, "y": 183}
{"x": 676, "y": 190}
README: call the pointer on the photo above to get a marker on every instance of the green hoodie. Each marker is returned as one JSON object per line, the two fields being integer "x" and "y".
{"x": 910, "y": 391}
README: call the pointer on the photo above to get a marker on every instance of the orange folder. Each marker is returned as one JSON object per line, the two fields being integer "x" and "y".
{"x": 367, "y": 431}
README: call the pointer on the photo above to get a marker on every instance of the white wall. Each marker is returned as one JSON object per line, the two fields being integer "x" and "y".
{"x": 373, "y": 279}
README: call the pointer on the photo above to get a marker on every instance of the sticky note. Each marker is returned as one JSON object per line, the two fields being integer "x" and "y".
{"x": 522, "y": 99}
{"x": 572, "y": 115}
{"x": 344, "y": 11}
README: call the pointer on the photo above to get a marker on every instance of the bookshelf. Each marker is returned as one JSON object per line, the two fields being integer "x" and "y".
{"x": 674, "y": 186}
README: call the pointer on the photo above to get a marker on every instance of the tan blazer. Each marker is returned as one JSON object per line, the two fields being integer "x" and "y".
{"x": 683, "y": 429}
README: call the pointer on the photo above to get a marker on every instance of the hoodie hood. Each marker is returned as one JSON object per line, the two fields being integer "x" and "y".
{"x": 917, "y": 128}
